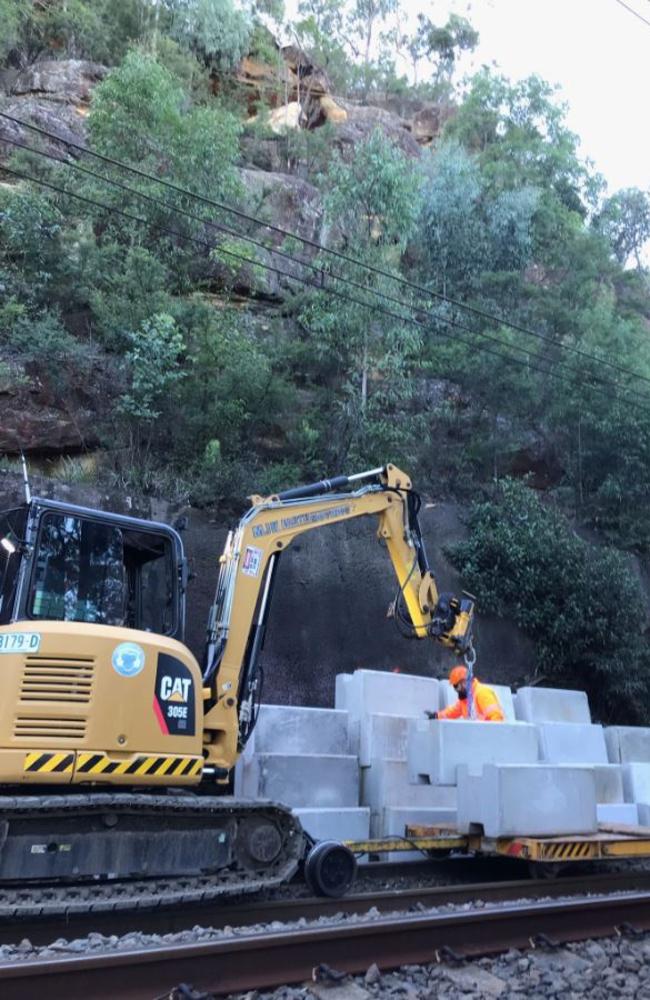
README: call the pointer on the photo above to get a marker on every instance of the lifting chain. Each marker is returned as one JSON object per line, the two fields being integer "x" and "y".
{"x": 469, "y": 657}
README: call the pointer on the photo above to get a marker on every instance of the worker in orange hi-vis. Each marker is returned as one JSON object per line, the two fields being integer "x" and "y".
{"x": 485, "y": 703}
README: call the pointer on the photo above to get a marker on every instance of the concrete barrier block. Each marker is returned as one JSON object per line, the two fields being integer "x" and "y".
{"x": 436, "y": 748}
{"x": 643, "y": 810}
{"x": 609, "y": 782}
{"x": 382, "y": 736}
{"x": 636, "y": 782}
{"x": 315, "y": 780}
{"x": 448, "y": 697}
{"x": 572, "y": 743}
{"x": 367, "y": 692}
{"x": 291, "y": 729}
{"x": 538, "y": 704}
{"x": 534, "y": 800}
{"x": 385, "y": 785}
{"x": 615, "y": 813}
{"x": 628, "y": 744}
{"x": 335, "y": 824}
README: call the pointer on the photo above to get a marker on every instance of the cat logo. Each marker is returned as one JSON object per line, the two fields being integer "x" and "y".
{"x": 174, "y": 688}
{"x": 174, "y": 697}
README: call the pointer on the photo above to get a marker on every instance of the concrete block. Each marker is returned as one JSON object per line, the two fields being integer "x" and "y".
{"x": 572, "y": 743}
{"x": 386, "y": 783}
{"x": 296, "y": 730}
{"x": 609, "y": 783}
{"x": 636, "y": 782}
{"x": 628, "y": 744}
{"x": 382, "y": 736}
{"x": 538, "y": 704}
{"x": 615, "y": 813}
{"x": 534, "y": 800}
{"x": 371, "y": 692}
{"x": 436, "y": 748}
{"x": 315, "y": 780}
{"x": 335, "y": 824}
{"x": 643, "y": 810}
{"x": 448, "y": 696}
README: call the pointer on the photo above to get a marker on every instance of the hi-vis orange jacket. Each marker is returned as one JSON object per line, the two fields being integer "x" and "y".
{"x": 486, "y": 705}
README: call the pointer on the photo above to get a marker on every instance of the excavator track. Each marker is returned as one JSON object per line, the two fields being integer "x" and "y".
{"x": 91, "y": 852}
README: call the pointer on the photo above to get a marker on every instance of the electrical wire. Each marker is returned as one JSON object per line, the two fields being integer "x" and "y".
{"x": 323, "y": 275}
{"x": 315, "y": 269}
{"x": 631, "y": 10}
{"x": 409, "y": 320}
{"x": 421, "y": 290}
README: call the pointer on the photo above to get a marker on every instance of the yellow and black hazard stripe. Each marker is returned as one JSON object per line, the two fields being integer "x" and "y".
{"x": 168, "y": 765}
{"x": 568, "y": 850}
{"x": 48, "y": 763}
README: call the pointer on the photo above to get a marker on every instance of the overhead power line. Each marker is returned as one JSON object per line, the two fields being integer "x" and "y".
{"x": 111, "y": 209}
{"x": 631, "y": 10}
{"x": 369, "y": 268}
{"x": 322, "y": 274}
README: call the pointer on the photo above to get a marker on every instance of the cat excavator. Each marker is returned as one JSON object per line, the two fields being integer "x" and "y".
{"x": 117, "y": 746}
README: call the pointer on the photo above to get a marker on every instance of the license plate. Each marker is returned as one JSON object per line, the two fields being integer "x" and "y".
{"x": 20, "y": 642}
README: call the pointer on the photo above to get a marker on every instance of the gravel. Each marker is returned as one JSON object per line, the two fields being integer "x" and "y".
{"x": 137, "y": 940}
{"x": 592, "y": 970}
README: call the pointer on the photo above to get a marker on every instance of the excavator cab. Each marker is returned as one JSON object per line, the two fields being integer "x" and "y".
{"x": 62, "y": 562}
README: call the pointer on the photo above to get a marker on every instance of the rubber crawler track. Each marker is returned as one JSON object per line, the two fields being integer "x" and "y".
{"x": 34, "y": 899}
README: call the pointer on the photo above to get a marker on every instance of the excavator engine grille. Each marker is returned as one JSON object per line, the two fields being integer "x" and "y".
{"x": 61, "y": 680}
{"x": 30, "y": 728}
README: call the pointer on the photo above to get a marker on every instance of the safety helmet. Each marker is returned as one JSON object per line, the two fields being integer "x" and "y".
{"x": 457, "y": 674}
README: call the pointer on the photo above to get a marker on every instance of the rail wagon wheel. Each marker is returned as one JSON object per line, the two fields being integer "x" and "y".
{"x": 330, "y": 869}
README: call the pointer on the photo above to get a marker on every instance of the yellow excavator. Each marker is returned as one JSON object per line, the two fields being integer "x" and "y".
{"x": 116, "y": 747}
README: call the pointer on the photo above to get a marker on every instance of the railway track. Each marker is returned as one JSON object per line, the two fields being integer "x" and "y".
{"x": 264, "y": 960}
{"x": 43, "y": 930}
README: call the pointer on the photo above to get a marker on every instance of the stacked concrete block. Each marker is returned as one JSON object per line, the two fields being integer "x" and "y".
{"x": 534, "y": 800}
{"x": 572, "y": 743}
{"x": 326, "y": 781}
{"x": 335, "y": 824}
{"x": 371, "y": 692}
{"x": 636, "y": 782}
{"x": 382, "y": 736}
{"x": 380, "y": 707}
{"x": 628, "y": 744}
{"x": 300, "y": 757}
{"x": 538, "y": 704}
{"x": 448, "y": 697}
{"x": 385, "y": 785}
{"x": 618, "y": 813}
{"x": 436, "y": 749}
{"x": 296, "y": 730}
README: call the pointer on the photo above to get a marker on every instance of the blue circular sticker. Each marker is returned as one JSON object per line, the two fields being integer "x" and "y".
{"x": 128, "y": 659}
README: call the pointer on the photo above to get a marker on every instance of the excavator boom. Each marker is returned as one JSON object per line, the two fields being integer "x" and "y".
{"x": 247, "y": 566}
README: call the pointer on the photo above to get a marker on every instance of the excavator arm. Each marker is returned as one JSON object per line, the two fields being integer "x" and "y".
{"x": 247, "y": 566}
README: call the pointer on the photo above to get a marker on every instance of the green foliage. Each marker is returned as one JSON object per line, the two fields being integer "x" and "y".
{"x": 216, "y": 31}
{"x": 152, "y": 360}
{"x": 99, "y": 30}
{"x": 582, "y": 606}
{"x": 625, "y": 222}
{"x": 360, "y": 361}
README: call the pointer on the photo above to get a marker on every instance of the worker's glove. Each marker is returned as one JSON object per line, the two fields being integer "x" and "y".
{"x": 431, "y": 715}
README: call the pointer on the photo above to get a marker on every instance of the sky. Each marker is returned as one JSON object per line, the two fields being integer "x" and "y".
{"x": 596, "y": 50}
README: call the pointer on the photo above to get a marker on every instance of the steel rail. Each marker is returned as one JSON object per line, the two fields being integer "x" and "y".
{"x": 261, "y": 961}
{"x": 167, "y": 921}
